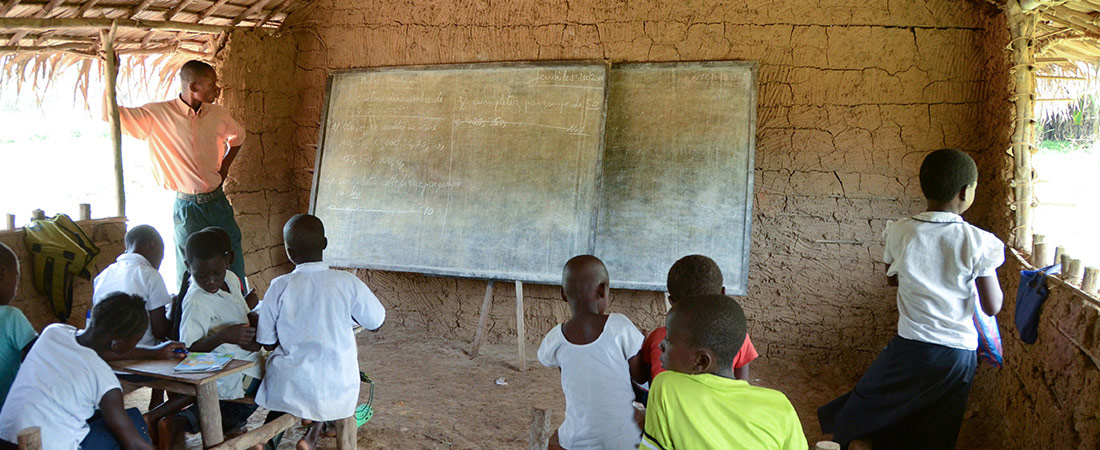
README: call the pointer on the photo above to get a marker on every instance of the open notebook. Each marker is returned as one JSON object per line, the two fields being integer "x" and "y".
{"x": 203, "y": 362}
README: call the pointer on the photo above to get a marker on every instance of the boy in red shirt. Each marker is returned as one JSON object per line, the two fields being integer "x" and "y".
{"x": 691, "y": 275}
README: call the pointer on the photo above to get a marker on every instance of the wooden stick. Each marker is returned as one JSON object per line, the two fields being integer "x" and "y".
{"x": 85, "y": 211}
{"x": 483, "y": 320}
{"x": 11, "y": 221}
{"x": 521, "y": 336}
{"x": 1058, "y": 252}
{"x": 210, "y": 415}
{"x": 260, "y": 435}
{"x": 1075, "y": 272}
{"x": 27, "y": 23}
{"x": 1040, "y": 257}
{"x": 108, "y": 38}
{"x": 44, "y": 48}
{"x": 345, "y": 433}
{"x": 1021, "y": 26}
{"x": 30, "y": 438}
{"x": 38, "y": 214}
{"x": 1064, "y": 261}
{"x": 1090, "y": 281}
{"x": 539, "y": 436}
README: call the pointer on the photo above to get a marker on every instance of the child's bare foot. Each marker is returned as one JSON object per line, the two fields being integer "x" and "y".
{"x": 309, "y": 440}
{"x": 168, "y": 429}
{"x": 329, "y": 429}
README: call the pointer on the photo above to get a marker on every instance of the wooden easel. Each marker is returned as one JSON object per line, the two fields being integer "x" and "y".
{"x": 521, "y": 338}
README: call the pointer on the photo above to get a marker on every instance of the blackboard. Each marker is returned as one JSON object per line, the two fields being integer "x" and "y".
{"x": 677, "y": 170}
{"x": 473, "y": 170}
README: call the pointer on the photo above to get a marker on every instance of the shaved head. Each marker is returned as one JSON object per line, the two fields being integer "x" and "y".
{"x": 142, "y": 235}
{"x": 304, "y": 237}
{"x": 194, "y": 70}
{"x": 582, "y": 276}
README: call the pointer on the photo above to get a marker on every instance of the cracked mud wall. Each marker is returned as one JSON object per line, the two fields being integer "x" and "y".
{"x": 256, "y": 73}
{"x": 852, "y": 94}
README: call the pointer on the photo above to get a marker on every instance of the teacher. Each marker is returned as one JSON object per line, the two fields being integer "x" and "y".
{"x": 192, "y": 143}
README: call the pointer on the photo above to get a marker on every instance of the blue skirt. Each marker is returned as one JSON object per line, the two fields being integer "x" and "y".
{"x": 912, "y": 397}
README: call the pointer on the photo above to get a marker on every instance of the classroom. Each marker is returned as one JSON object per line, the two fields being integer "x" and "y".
{"x": 845, "y": 99}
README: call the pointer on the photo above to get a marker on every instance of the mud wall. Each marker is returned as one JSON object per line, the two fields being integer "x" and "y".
{"x": 852, "y": 94}
{"x": 256, "y": 73}
{"x": 107, "y": 234}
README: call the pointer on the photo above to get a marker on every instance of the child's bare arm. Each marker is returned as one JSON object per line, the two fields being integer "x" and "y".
{"x": 639, "y": 370}
{"x": 166, "y": 350}
{"x": 158, "y": 322}
{"x": 240, "y": 334}
{"x": 114, "y": 413}
{"x": 989, "y": 294}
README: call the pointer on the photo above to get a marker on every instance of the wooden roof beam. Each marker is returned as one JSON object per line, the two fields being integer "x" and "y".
{"x": 274, "y": 12}
{"x": 16, "y": 23}
{"x": 7, "y": 6}
{"x": 38, "y": 14}
{"x": 255, "y": 8}
{"x": 177, "y": 9}
{"x": 88, "y": 4}
{"x": 211, "y": 10}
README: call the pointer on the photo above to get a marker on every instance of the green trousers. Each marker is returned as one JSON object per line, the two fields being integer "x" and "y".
{"x": 190, "y": 216}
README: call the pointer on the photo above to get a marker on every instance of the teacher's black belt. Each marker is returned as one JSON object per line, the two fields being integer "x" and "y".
{"x": 207, "y": 197}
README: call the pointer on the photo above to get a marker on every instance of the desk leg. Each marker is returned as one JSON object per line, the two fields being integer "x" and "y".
{"x": 210, "y": 415}
{"x": 345, "y": 433}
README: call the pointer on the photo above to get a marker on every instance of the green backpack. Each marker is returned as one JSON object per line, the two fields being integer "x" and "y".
{"x": 59, "y": 250}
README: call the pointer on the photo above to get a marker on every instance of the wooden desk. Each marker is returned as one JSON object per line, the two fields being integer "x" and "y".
{"x": 200, "y": 385}
{"x": 203, "y": 387}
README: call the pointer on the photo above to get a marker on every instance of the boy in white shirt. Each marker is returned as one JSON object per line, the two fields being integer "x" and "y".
{"x": 306, "y": 322}
{"x": 65, "y": 380}
{"x": 593, "y": 351}
{"x": 215, "y": 319}
{"x": 135, "y": 272}
{"x": 914, "y": 394}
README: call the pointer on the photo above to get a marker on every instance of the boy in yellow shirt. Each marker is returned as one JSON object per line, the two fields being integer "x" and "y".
{"x": 697, "y": 403}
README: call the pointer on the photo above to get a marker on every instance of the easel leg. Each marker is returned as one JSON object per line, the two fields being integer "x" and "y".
{"x": 345, "y": 433}
{"x": 486, "y": 305}
{"x": 521, "y": 338}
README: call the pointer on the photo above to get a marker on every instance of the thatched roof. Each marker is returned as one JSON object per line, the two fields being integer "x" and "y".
{"x": 41, "y": 38}
{"x": 193, "y": 27}
{"x": 1066, "y": 43}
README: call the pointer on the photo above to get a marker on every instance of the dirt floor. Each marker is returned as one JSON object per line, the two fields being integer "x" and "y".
{"x": 430, "y": 395}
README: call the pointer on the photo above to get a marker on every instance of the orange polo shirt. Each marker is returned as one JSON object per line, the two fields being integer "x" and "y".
{"x": 186, "y": 147}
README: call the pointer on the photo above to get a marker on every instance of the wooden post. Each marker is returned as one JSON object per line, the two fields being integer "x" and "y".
{"x": 1058, "y": 252}
{"x": 1041, "y": 256}
{"x": 38, "y": 214}
{"x": 11, "y": 221}
{"x": 1064, "y": 260}
{"x": 30, "y": 438}
{"x": 108, "y": 39}
{"x": 1089, "y": 283}
{"x": 1075, "y": 272}
{"x": 1021, "y": 26}
{"x": 483, "y": 320}
{"x": 345, "y": 433}
{"x": 539, "y": 437}
{"x": 521, "y": 337}
{"x": 85, "y": 211}
{"x": 210, "y": 415}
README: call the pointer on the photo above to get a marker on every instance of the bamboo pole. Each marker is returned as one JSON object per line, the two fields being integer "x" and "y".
{"x": 108, "y": 37}
{"x": 27, "y": 23}
{"x": 1021, "y": 26}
